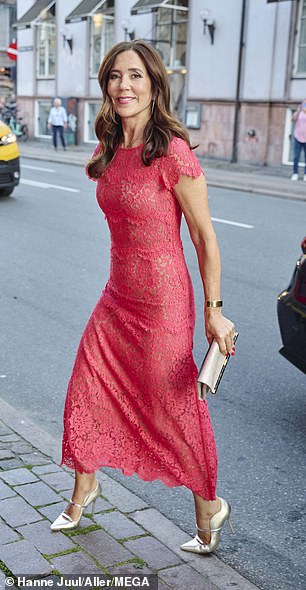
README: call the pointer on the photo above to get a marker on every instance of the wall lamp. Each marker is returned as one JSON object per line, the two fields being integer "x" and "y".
{"x": 69, "y": 40}
{"x": 129, "y": 32}
{"x": 208, "y": 24}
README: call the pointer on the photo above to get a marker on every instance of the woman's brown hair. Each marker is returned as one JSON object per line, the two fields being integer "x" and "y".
{"x": 162, "y": 125}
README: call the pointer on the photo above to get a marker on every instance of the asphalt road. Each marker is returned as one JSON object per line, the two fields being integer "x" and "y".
{"x": 54, "y": 263}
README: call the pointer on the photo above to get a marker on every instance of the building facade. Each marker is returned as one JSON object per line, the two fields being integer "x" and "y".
{"x": 237, "y": 69}
{"x": 7, "y": 36}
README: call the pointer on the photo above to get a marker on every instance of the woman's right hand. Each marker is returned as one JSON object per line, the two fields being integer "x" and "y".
{"x": 221, "y": 329}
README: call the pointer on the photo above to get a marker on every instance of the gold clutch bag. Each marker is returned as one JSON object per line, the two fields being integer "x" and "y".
{"x": 212, "y": 369}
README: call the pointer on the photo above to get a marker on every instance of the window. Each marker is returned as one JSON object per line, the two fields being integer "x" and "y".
{"x": 42, "y": 113}
{"x": 92, "y": 109}
{"x": 102, "y": 39}
{"x": 301, "y": 61}
{"x": 7, "y": 18}
{"x": 46, "y": 44}
{"x": 171, "y": 36}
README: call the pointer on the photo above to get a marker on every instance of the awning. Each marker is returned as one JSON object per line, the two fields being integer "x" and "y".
{"x": 33, "y": 15}
{"x": 88, "y": 8}
{"x": 143, "y": 6}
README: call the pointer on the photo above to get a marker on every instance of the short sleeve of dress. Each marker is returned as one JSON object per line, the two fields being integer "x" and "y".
{"x": 95, "y": 152}
{"x": 179, "y": 161}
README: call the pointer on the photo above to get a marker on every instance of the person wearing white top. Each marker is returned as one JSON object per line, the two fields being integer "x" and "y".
{"x": 57, "y": 121}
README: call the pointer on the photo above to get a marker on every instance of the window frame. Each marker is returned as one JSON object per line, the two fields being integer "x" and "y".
{"x": 46, "y": 75}
{"x": 296, "y": 73}
{"x": 174, "y": 22}
{"x": 87, "y": 138}
{"x": 37, "y": 113}
{"x": 106, "y": 18}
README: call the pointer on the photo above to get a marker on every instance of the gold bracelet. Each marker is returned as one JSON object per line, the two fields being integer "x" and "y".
{"x": 214, "y": 303}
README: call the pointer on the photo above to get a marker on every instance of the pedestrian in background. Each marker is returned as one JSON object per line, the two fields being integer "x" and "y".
{"x": 132, "y": 400}
{"x": 299, "y": 117}
{"x": 57, "y": 121}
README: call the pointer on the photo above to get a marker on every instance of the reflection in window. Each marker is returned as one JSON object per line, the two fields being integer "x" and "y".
{"x": 93, "y": 109}
{"x": 46, "y": 50}
{"x": 102, "y": 39}
{"x": 43, "y": 113}
{"x": 301, "y": 67}
{"x": 171, "y": 36}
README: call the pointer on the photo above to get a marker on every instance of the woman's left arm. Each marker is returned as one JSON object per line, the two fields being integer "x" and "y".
{"x": 192, "y": 196}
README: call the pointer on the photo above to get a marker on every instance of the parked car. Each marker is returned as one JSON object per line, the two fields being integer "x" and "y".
{"x": 9, "y": 161}
{"x": 291, "y": 310}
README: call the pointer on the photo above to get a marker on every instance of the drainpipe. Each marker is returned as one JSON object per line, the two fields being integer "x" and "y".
{"x": 275, "y": 25}
{"x": 237, "y": 98}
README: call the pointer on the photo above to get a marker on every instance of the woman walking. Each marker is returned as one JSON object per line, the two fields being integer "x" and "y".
{"x": 132, "y": 400}
{"x": 299, "y": 118}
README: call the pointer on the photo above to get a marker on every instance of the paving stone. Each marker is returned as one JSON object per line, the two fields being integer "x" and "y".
{"x": 211, "y": 566}
{"x": 75, "y": 562}
{"x": 163, "y": 586}
{"x": 23, "y": 558}
{"x": 16, "y": 512}
{"x": 2, "y": 579}
{"x": 102, "y": 504}
{"x": 7, "y": 535}
{"x": 4, "y": 429}
{"x": 11, "y": 438}
{"x": 118, "y": 525}
{"x": 37, "y": 494}
{"x": 221, "y": 574}
{"x": 183, "y": 576}
{"x": 103, "y": 547}
{"x": 47, "y": 468}
{"x": 34, "y": 458}
{"x": 22, "y": 447}
{"x": 122, "y": 498}
{"x": 18, "y": 476}
{"x": 128, "y": 568}
{"x": 10, "y": 464}
{"x": 43, "y": 538}
{"x": 5, "y": 491}
{"x": 163, "y": 529}
{"x": 53, "y": 511}
{"x": 152, "y": 552}
{"x": 59, "y": 481}
{"x": 6, "y": 454}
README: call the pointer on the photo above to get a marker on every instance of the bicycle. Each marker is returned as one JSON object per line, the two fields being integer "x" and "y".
{"x": 20, "y": 129}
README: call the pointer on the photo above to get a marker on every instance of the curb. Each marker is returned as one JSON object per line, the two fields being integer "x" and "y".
{"x": 255, "y": 190}
{"x": 80, "y": 158}
{"x": 190, "y": 569}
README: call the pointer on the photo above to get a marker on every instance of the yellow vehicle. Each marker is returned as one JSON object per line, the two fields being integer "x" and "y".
{"x": 9, "y": 161}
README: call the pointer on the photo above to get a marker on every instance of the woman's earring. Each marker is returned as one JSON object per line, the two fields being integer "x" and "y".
{"x": 152, "y": 106}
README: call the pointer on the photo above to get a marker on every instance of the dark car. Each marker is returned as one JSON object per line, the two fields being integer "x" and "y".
{"x": 291, "y": 310}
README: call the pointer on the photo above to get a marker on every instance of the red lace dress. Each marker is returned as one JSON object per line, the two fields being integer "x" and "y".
{"x": 132, "y": 401}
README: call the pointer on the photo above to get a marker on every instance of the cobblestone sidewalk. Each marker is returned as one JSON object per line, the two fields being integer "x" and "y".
{"x": 124, "y": 535}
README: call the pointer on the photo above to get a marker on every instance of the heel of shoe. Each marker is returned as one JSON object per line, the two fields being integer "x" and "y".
{"x": 231, "y": 526}
{"x": 93, "y": 507}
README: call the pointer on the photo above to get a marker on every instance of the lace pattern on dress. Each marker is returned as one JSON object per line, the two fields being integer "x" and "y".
{"x": 131, "y": 400}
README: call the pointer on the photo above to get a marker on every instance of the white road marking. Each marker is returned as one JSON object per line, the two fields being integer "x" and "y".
{"x": 37, "y": 168}
{"x": 236, "y": 223}
{"x": 47, "y": 185}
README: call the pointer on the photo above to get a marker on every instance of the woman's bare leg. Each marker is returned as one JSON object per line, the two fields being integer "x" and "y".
{"x": 84, "y": 484}
{"x": 205, "y": 510}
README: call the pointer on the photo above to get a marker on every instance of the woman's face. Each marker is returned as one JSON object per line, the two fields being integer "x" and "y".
{"x": 129, "y": 86}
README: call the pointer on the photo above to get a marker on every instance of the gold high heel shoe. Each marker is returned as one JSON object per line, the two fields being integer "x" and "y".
{"x": 196, "y": 545}
{"x": 65, "y": 522}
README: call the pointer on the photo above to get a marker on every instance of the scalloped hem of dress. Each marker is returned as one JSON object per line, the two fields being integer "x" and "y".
{"x": 129, "y": 472}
